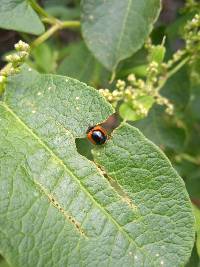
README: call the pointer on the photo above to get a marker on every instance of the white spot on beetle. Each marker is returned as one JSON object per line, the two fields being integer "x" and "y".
{"x": 49, "y": 88}
{"x": 33, "y": 111}
{"x": 162, "y": 262}
{"x": 39, "y": 93}
{"x": 77, "y": 97}
{"x": 29, "y": 69}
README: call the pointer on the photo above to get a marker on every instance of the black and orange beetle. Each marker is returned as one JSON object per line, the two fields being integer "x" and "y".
{"x": 97, "y": 135}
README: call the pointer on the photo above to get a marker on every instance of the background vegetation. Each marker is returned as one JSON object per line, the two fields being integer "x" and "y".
{"x": 147, "y": 66}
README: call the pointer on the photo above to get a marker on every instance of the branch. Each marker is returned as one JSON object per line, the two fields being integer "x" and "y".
{"x": 59, "y": 25}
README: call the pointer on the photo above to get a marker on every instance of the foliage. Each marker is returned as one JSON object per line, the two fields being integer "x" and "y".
{"x": 64, "y": 202}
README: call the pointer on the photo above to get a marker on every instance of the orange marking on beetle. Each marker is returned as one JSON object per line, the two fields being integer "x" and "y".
{"x": 97, "y": 135}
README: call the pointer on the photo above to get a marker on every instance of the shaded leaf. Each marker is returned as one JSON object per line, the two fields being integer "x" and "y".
{"x": 176, "y": 29}
{"x": 63, "y": 12}
{"x": 79, "y": 63}
{"x": 136, "y": 64}
{"x": 194, "y": 259}
{"x": 160, "y": 129}
{"x": 191, "y": 174}
{"x": 197, "y": 218}
{"x": 18, "y": 15}
{"x": 194, "y": 104}
{"x": 177, "y": 89}
{"x": 114, "y": 30}
{"x": 193, "y": 184}
{"x": 43, "y": 58}
{"x": 84, "y": 148}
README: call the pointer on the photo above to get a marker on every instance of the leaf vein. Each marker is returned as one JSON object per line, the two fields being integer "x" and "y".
{"x": 60, "y": 161}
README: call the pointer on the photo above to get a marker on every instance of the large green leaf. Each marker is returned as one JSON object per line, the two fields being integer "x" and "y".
{"x": 115, "y": 29}
{"x": 18, "y": 15}
{"x": 57, "y": 208}
{"x": 149, "y": 183}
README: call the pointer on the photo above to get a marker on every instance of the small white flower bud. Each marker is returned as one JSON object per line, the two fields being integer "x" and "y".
{"x": 22, "y": 46}
{"x": 2, "y": 79}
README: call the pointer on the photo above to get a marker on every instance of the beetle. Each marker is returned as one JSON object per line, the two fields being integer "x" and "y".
{"x": 97, "y": 135}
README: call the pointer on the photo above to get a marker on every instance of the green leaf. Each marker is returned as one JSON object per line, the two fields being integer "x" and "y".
{"x": 59, "y": 3}
{"x": 191, "y": 174}
{"x": 84, "y": 148}
{"x": 177, "y": 89}
{"x": 114, "y": 30}
{"x": 194, "y": 259}
{"x": 80, "y": 64}
{"x": 157, "y": 54}
{"x": 62, "y": 12}
{"x": 43, "y": 58}
{"x": 57, "y": 208}
{"x": 161, "y": 130}
{"x": 193, "y": 107}
{"x": 128, "y": 113}
{"x": 163, "y": 227}
{"x": 176, "y": 28}
{"x": 136, "y": 64}
{"x": 18, "y": 15}
{"x": 140, "y": 71}
{"x": 193, "y": 184}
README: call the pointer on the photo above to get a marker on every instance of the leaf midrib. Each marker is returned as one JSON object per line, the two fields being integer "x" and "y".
{"x": 60, "y": 161}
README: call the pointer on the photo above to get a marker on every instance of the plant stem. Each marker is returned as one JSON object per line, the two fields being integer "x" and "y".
{"x": 173, "y": 71}
{"x": 177, "y": 67}
{"x": 63, "y": 24}
{"x": 45, "y": 36}
{"x": 59, "y": 25}
{"x": 187, "y": 157}
{"x": 39, "y": 9}
{"x": 56, "y": 24}
{"x": 70, "y": 24}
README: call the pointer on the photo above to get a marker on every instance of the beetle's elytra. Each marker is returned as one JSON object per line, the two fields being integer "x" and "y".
{"x": 97, "y": 135}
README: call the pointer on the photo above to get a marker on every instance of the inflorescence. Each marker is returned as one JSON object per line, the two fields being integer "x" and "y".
{"x": 141, "y": 94}
{"x": 14, "y": 62}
